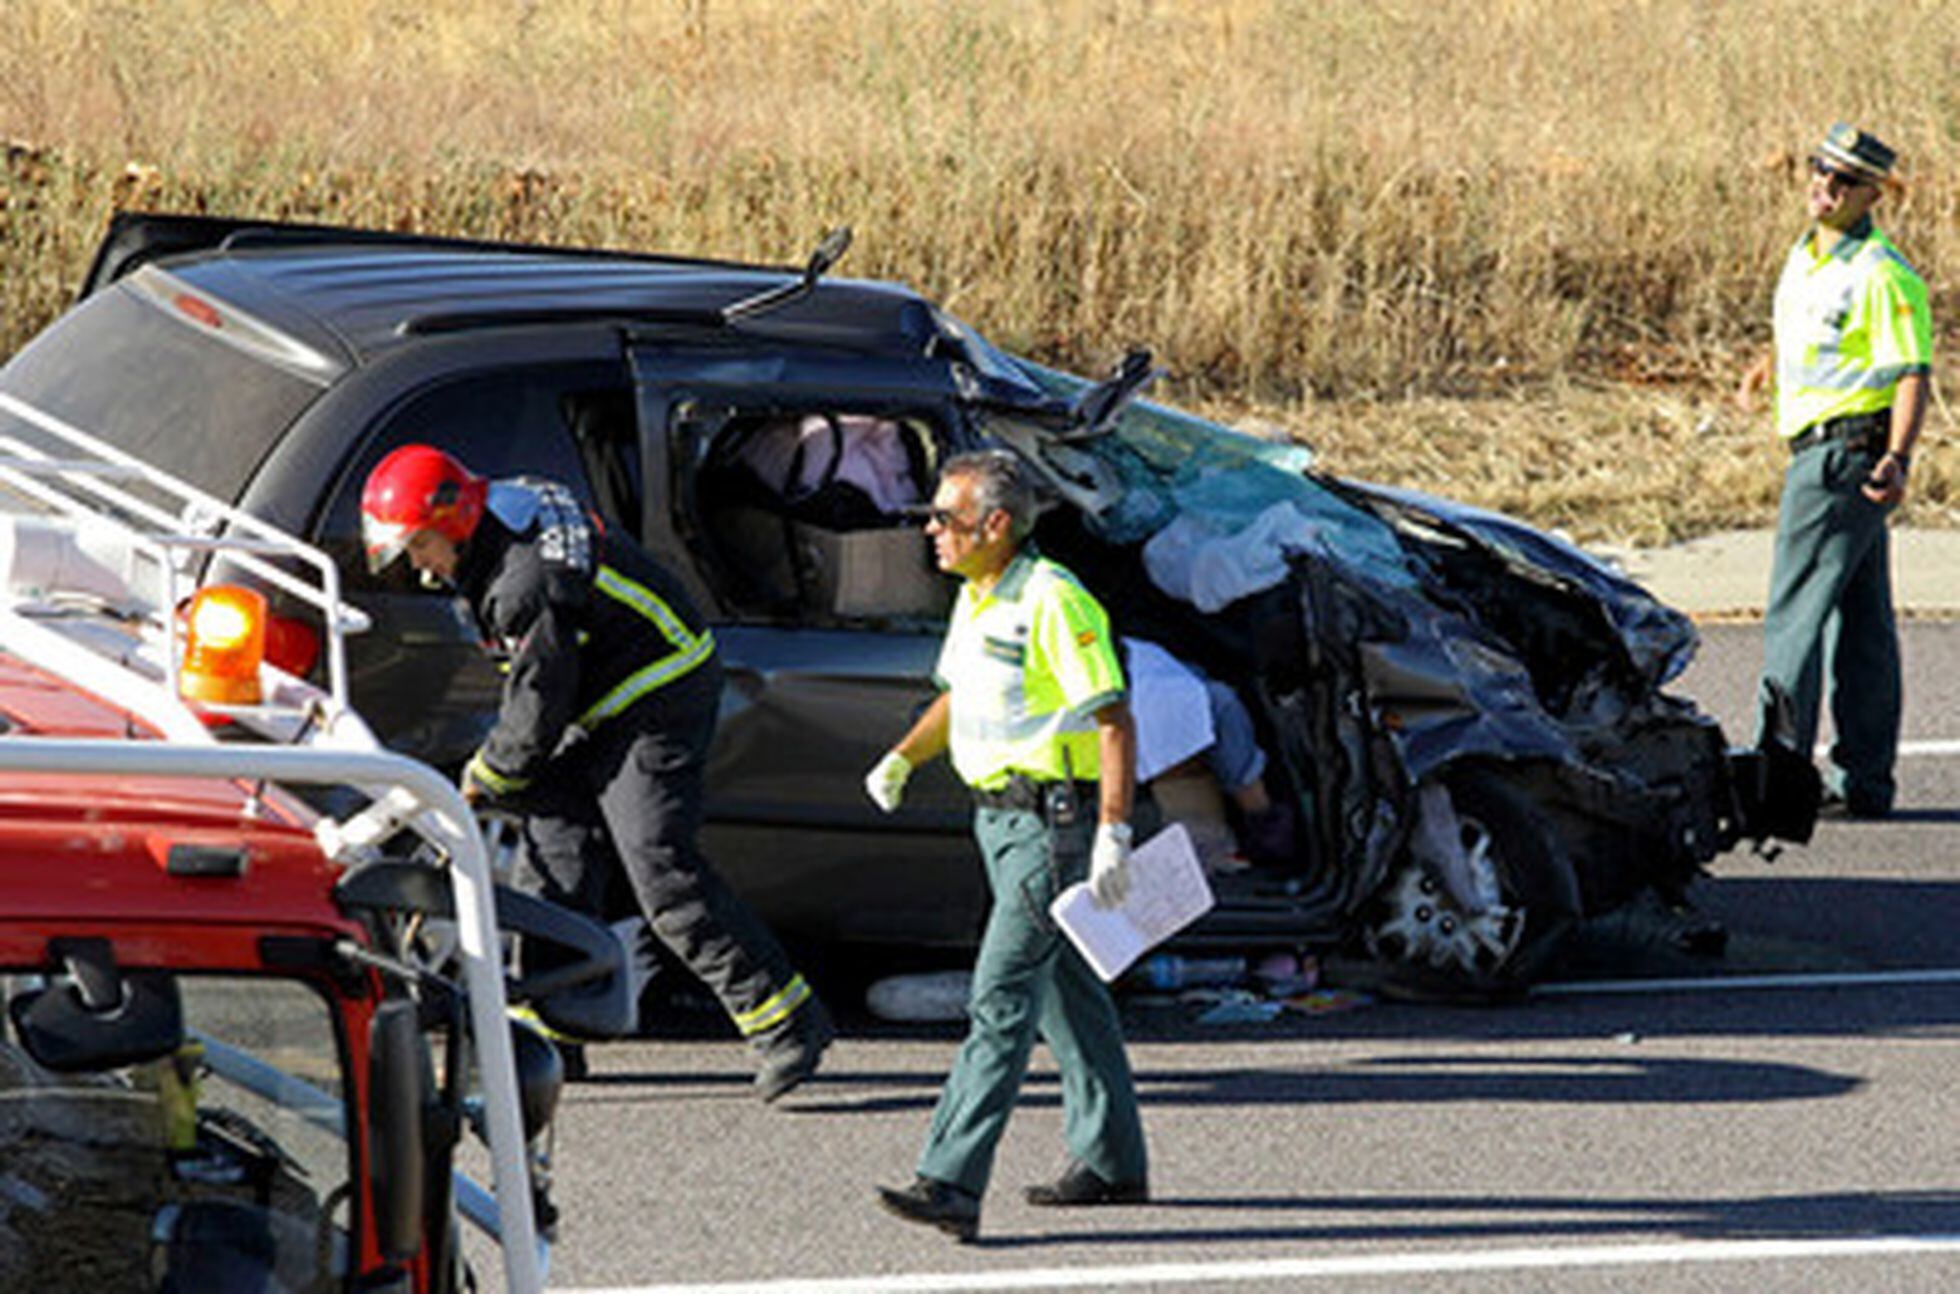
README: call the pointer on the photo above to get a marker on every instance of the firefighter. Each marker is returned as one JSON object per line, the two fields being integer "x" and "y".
{"x": 1034, "y": 716}
{"x": 601, "y": 741}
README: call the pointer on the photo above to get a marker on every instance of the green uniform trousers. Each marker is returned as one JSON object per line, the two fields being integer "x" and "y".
{"x": 1028, "y": 978}
{"x": 1830, "y": 615}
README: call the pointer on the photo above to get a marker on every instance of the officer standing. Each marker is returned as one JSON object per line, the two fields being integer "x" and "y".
{"x": 1033, "y": 713}
{"x": 608, "y": 709}
{"x": 1852, "y": 370}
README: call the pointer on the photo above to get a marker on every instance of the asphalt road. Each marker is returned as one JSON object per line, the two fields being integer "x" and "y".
{"x": 1790, "y": 1131}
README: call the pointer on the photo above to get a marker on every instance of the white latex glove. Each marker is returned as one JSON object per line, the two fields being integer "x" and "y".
{"x": 885, "y": 783}
{"x": 1109, "y": 864}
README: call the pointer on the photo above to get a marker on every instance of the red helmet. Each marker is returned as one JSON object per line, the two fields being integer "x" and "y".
{"x": 415, "y": 488}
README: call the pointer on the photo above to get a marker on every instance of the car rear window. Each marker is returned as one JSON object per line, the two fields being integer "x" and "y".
{"x": 123, "y": 370}
{"x": 518, "y": 422}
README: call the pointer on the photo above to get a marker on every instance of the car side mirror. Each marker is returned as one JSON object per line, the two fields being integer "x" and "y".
{"x": 1095, "y": 411}
{"x": 398, "y": 1086}
{"x": 92, "y": 1016}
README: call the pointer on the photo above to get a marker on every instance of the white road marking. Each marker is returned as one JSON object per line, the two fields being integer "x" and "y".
{"x": 1731, "y": 983}
{"x": 1297, "y": 1269}
{"x": 1908, "y": 748}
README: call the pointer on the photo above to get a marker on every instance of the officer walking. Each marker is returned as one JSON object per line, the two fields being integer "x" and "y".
{"x": 1034, "y": 715}
{"x": 608, "y": 709}
{"x": 1852, "y": 371}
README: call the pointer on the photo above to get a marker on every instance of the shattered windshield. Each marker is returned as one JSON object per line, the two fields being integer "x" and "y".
{"x": 1198, "y": 490}
{"x": 1221, "y": 513}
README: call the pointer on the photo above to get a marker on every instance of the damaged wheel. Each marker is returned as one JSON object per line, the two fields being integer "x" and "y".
{"x": 1485, "y": 893}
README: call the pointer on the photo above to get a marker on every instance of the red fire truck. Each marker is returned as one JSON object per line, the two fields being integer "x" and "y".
{"x": 251, "y": 963}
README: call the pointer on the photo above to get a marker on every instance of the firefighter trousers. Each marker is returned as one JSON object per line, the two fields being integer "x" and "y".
{"x": 611, "y": 828}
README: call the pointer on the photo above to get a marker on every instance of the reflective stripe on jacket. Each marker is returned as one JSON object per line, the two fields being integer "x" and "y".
{"x": 689, "y": 648}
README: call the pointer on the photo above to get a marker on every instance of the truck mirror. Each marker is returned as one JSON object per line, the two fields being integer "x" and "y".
{"x": 540, "y": 1076}
{"x": 398, "y": 1084}
{"x": 396, "y": 887}
{"x": 587, "y": 991}
{"x": 91, "y": 1017}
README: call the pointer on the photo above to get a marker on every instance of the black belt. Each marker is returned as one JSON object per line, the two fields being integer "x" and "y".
{"x": 1028, "y": 795}
{"x": 1858, "y": 430}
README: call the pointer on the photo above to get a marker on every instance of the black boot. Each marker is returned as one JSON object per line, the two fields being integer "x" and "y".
{"x": 1082, "y": 1185}
{"x": 795, "y": 1053}
{"x": 934, "y": 1203}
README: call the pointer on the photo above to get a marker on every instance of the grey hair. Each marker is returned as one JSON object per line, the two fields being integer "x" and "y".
{"x": 998, "y": 482}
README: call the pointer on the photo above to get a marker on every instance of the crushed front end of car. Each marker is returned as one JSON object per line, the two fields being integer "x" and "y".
{"x": 1468, "y": 715}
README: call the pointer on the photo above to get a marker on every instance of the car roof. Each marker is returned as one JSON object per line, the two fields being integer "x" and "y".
{"x": 370, "y": 292}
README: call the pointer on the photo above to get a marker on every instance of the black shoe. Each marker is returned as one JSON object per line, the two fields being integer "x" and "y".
{"x": 572, "y": 1054}
{"x": 1082, "y": 1185}
{"x": 934, "y": 1203}
{"x": 795, "y": 1057}
{"x": 1837, "y": 806}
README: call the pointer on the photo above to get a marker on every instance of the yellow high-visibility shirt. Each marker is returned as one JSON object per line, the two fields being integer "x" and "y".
{"x": 1028, "y": 666}
{"x": 1849, "y": 325}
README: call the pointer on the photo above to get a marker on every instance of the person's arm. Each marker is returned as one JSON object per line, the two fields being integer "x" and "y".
{"x": 927, "y": 739}
{"x": 1116, "y": 734}
{"x": 1899, "y": 322}
{"x": 1109, "y": 852}
{"x": 526, "y": 606}
{"x": 1756, "y": 379}
{"x": 539, "y": 699}
{"x": 1887, "y": 483}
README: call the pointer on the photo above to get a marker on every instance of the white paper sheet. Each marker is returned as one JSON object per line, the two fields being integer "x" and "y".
{"x": 1168, "y": 891}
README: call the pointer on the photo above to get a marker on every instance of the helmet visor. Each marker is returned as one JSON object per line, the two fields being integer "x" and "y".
{"x": 384, "y": 542}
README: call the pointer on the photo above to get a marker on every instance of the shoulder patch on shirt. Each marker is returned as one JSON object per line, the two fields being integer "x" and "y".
{"x": 1087, "y": 638}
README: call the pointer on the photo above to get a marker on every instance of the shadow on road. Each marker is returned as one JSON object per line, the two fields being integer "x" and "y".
{"x": 1829, "y": 923}
{"x": 1536, "y": 1217}
{"x": 1417, "y": 1080}
{"x": 1911, "y": 815}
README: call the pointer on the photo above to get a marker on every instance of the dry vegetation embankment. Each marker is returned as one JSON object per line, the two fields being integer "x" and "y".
{"x": 1509, "y": 249}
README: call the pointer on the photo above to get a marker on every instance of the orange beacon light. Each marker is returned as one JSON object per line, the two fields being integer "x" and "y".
{"x": 224, "y": 642}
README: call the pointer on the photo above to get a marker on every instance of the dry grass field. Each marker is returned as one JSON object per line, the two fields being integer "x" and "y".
{"x": 1514, "y": 250}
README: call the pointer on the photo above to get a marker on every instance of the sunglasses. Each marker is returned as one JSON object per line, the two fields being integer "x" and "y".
{"x": 1842, "y": 179}
{"x": 947, "y": 519}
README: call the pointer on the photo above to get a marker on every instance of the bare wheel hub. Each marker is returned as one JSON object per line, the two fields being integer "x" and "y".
{"x": 1424, "y": 923}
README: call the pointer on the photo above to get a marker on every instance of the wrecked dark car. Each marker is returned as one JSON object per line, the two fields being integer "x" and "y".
{"x": 1464, "y": 719}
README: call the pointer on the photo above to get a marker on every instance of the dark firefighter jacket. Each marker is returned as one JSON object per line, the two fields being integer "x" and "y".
{"x": 587, "y": 622}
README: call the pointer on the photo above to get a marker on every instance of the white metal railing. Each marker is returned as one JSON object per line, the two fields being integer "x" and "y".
{"x": 172, "y": 522}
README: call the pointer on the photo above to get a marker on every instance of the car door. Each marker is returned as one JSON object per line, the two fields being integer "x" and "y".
{"x": 828, "y": 620}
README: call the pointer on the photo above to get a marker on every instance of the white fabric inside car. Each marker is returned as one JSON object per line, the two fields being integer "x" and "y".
{"x": 795, "y": 458}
